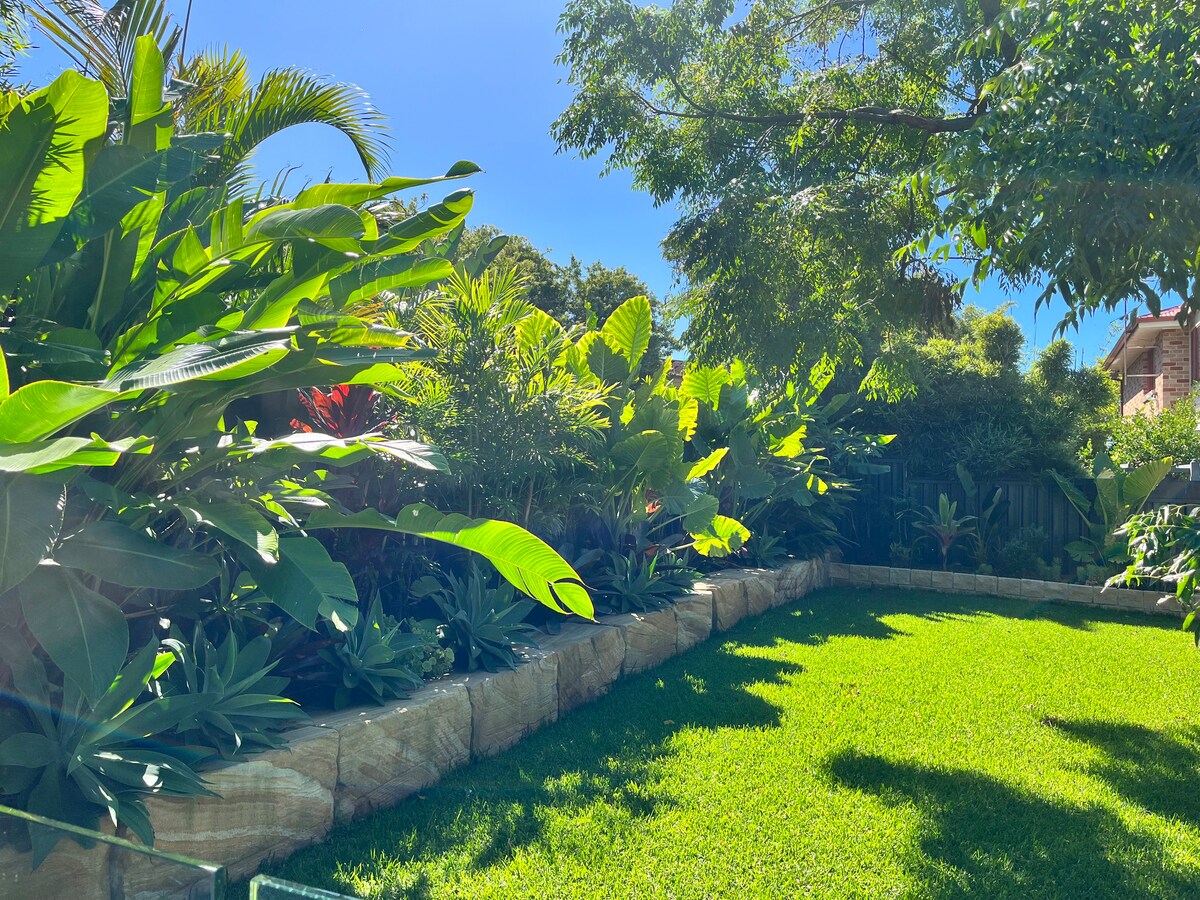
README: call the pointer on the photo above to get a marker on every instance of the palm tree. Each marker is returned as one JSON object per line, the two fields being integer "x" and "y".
{"x": 216, "y": 91}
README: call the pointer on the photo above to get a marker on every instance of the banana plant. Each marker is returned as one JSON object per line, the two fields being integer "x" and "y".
{"x": 1119, "y": 495}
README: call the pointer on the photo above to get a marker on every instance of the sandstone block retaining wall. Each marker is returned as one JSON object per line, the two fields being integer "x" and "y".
{"x": 351, "y": 763}
{"x": 850, "y": 575}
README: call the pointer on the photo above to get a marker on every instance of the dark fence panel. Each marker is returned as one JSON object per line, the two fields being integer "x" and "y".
{"x": 883, "y": 499}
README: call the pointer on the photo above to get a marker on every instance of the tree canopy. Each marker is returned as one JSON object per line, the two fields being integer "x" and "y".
{"x": 831, "y": 158}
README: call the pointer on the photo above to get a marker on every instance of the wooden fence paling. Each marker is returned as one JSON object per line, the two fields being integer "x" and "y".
{"x": 1031, "y": 502}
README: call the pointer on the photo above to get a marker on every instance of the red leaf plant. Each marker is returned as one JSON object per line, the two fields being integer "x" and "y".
{"x": 348, "y": 410}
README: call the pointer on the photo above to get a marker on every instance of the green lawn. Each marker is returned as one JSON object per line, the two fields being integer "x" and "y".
{"x": 868, "y": 744}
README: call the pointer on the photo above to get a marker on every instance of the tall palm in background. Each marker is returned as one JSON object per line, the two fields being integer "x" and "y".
{"x": 215, "y": 89}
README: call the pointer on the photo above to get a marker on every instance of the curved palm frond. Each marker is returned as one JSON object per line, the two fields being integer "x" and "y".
{"x": 100, "y": 41}
{"x": 223, "y": 101}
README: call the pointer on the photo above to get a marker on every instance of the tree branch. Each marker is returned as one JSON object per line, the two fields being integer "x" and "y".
{"x": 875, "y": 114}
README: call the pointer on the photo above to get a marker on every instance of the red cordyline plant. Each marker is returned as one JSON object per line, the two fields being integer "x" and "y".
{"x": 348, "y": 410}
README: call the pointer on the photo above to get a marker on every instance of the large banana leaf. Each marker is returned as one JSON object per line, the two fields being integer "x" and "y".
{"x": 43, "y": 144}
{"x": 43, "y": 457}
{"x": 628, "y": 330}
{"x": 31, "y": 516}
{"x": 358, "y": 194}
{"x": 307, "y": 584}
{"x": 525, "y": 560}
{"x": 41, "y": 408}
{"x": 83, "y": 633}
{"x": 116, "y": 554}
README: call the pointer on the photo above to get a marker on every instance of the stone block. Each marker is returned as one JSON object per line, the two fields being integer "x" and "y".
{"x": 986, "y": 584}
{"x": 69, "y": 871}
{"x": 941, "y": 581}
{"x": 390, "y": 752}
{"x": 760, "y": 591}
{"x": 920, "y": 578}
{"x": 651, "y": 638}
{"x": 879, "y": 576}
{"x": 728, "y": 591}
{"x": 1008, "y": 587}
{"x": 1081, "y": 593}
{"x": 270, "y": 804}
{"x": 798, "y": 577}
{"x": 901, "y": 577}
{"x": 694, "y": 618}
{"x": 964, "y": 582}
{"x": 507, "y": 705}
{"x": 590, "y": 658}
{"x": 1056, "y": 591}
{"x": 1034, "y": 590}
{"x": 839, "y": 573}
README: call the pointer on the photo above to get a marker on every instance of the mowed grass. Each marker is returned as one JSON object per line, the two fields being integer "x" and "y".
{"x": 855, "y": 744}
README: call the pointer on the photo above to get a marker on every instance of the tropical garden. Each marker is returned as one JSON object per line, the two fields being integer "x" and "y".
{"x": 269, "y": 452}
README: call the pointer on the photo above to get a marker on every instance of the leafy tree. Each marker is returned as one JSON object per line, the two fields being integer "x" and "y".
{"x": 808, "y": 141}
{"x": 975, "y": 406}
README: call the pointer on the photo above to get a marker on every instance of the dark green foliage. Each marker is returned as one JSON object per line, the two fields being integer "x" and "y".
{"x": 1141, "y": 438}
{"x": 1021, "y": 556}
{"x": 975, "y": 407}
{"x": 243, "y": 703}
{"x": 482, "y": 621}
{"x": 639, "y": 581}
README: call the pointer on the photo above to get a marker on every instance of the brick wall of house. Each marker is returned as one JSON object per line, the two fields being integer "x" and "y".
{"x": 1176, "y": 378}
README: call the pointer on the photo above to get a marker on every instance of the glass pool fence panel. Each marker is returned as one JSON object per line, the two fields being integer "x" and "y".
{"x": 264, "y": 887}
{"x": 88, "y": 865}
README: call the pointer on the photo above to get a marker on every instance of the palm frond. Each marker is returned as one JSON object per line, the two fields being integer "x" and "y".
{"x": 100, "y": 41}
{"x": 287, "y": 97}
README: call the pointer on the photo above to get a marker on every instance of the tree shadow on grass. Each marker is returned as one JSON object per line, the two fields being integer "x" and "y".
{"x": 1157, "y": 770}
{"x": 603, "y": 754}
{"x": 982, "y": 838}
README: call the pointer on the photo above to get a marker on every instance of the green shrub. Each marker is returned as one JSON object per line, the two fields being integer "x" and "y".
{"x": 481, "y": 623}
{"x": 1142, "y": 437}
{"x": 1021, "y": 555}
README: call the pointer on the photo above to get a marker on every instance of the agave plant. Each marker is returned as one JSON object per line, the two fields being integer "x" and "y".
{"x": 63, "y": 759}
{"x": 243, "y": 705}
{"x": 371, "y": 659}
{"x": 481, "y": 623}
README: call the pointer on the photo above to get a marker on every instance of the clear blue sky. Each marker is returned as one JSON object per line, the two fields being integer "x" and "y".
{"x": 473, "y": 79}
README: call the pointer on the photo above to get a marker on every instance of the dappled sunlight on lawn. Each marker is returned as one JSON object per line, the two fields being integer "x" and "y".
{"x": 873, "y": 743}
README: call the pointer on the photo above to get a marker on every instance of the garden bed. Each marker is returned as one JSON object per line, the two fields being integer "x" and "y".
{"x": 354, "y": 762}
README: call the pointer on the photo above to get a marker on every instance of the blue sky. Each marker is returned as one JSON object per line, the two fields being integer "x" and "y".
{"x": 473, "y": 79}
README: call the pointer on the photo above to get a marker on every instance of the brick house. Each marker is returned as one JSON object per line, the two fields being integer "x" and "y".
{"x": 1156, "y": 361}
